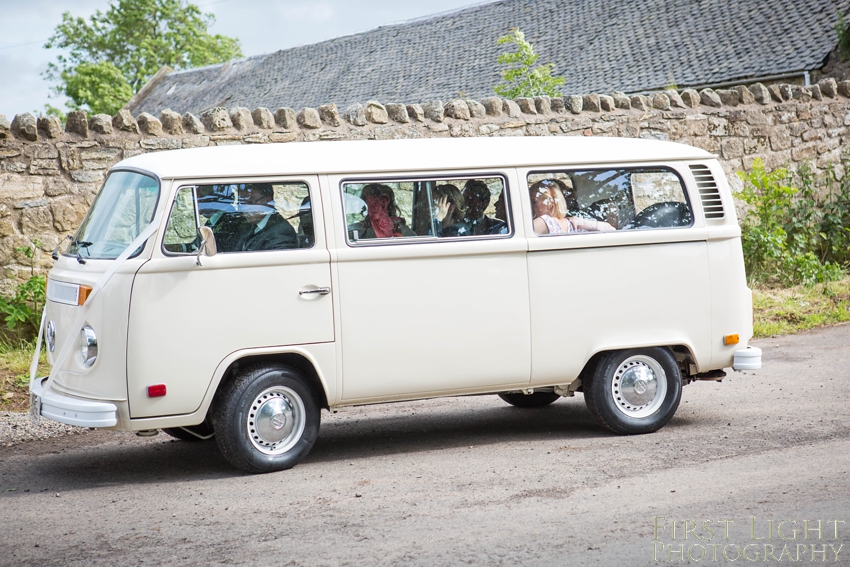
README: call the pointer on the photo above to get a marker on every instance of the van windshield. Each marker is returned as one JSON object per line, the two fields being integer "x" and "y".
{"x": 121, "y": 211}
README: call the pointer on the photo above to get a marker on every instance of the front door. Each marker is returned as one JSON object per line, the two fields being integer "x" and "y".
{"x": 185, "y": 319}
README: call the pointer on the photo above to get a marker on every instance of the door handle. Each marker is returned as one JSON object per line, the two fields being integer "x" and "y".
{"x": 318, "y": 290}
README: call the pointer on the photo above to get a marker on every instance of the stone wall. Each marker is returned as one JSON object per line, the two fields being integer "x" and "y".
{"x": 50, "y": 173}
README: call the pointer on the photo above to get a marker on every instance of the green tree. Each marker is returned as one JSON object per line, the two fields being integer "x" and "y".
{"x": 843, "y": 33}
{"x": 113, "y": 54}
{"x": 521, "y": 79}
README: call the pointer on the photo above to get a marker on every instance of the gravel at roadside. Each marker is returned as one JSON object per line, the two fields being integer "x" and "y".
{"x": 18, "y": 427}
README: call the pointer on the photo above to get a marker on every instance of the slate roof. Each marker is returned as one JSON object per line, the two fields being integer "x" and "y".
{"x": 598, "y": 45}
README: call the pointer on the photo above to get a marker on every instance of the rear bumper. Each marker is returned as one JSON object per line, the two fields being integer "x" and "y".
{"x": 747, "y": 359}
{"x": 70, "y": 410}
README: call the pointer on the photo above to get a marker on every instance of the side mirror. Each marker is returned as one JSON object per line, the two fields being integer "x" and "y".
{"x": 208, "y": 246}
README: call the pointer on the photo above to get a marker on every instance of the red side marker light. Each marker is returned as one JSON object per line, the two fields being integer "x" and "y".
{"x": 156, "y": 390}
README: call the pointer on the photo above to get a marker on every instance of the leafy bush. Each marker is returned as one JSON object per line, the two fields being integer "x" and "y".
{"x": 835, "y": 215}
{"x": 521, "y": 79}
{"x": 791, "y": 235}
{"x": 23, "y": 310}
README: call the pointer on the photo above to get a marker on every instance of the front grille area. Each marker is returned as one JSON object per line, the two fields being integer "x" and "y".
{"x": 62, "y": 292}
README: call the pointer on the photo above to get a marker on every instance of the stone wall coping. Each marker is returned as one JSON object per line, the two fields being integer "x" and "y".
{"x": 307, "y": 123}
{"x": 51, "y": 172}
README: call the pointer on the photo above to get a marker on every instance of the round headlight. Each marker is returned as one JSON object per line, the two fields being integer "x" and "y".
{"x": 88, "y": 346}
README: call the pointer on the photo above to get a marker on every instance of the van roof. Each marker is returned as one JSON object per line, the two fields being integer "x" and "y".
{"x": 374, "y": 156}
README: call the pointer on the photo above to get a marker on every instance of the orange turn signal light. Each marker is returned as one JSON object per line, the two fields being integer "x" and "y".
{"x": 731, "y": 340}
{"x": 85, "y": 291}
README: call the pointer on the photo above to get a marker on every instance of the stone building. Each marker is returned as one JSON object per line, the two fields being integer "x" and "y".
{"x": 635, "y": 46}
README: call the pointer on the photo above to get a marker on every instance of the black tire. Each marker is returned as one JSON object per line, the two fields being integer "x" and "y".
{"x": 266, "y": 419}
{"x": 533, "y": 400}
{"x": 634, "y": 391}
{"x": 194, "y": 433}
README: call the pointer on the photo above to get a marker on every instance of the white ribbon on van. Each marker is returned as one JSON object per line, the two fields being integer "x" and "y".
{"x": 80, "y": 320}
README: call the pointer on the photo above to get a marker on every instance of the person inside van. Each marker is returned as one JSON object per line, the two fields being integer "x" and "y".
{"x": 449, "y": 212}
{"x": 218, "y": 209}
{"x": 501, "y": 208}
{"x": 263, "y": 227}
{"x": 549, "y": 208}
{"x": 476, "y": 196}
{"x": 305, "y": 224}
{"x": 382, "y": 219}
{"x": 214, "y": 202}
{"x": 607, "y": 210}
{"x": 569, "y": 193}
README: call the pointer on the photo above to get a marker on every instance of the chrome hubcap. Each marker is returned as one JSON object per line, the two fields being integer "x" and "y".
{"x": 276, "y": 420}
{"x": 639, "y": 386}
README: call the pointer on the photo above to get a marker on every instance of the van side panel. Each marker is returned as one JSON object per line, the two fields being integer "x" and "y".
{"x": 731, "y": 300}
{"x": 185, "y": 319}
{"x": 430, "y": 318}
{"x": 588, "y": 300}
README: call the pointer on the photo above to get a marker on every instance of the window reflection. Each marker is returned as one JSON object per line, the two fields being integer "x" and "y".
{"x": 245, "y": 217}
{"x": 579, "y": 201}
{"x": 425, "y": 209}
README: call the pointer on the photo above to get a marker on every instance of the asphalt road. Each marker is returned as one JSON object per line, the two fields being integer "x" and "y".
{"x": 470, "y": 481}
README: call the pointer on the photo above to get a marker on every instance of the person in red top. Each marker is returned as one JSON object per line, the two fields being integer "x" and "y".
{"x": 382, "y": 219}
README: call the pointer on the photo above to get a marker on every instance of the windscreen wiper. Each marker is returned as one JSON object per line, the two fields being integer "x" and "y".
{"x": 81, "y": 244}
{"x": 55, "y": 254}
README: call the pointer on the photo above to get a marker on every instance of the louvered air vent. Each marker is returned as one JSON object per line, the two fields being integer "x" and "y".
{"x": 711, "y": 203}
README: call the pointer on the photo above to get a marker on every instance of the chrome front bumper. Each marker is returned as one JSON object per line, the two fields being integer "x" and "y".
{"x": 70, "y": 410}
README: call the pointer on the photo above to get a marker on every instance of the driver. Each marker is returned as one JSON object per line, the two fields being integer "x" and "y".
{"x": 264, "y": 228}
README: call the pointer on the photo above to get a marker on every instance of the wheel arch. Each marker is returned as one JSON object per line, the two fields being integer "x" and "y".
{"x": 683, "y": 353}
{"x": 297, "y": 359}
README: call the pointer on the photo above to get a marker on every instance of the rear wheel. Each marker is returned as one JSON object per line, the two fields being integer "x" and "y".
{"x": 634, "y": 391}
{"x": 266, "y": 419}
{"x": 533, "y": 400}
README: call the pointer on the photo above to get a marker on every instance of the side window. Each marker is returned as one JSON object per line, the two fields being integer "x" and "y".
{"x": 244, "y": 217}
{"x": 596, "y": 200}
{"x": 181, "y": 232}
{"x": 425, "y": 209}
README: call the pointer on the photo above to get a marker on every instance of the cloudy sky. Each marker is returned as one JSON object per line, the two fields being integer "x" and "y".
{"x": 262, "y": 26}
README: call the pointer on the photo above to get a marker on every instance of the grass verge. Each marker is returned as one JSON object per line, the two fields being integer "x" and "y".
{"x": 776, "y": 312}
{"x": 15, "y": 375}
{"x": 783, "y": 311}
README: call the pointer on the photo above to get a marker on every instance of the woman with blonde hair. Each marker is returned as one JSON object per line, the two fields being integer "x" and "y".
{"x": 550, "y": 211}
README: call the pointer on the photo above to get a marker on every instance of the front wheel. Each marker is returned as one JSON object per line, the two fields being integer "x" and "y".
{"x": 266, "y": 419}
{"x": 634, "y": 391}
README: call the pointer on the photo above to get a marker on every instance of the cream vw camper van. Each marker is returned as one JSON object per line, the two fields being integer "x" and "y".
{"x": 236, "y": 291}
